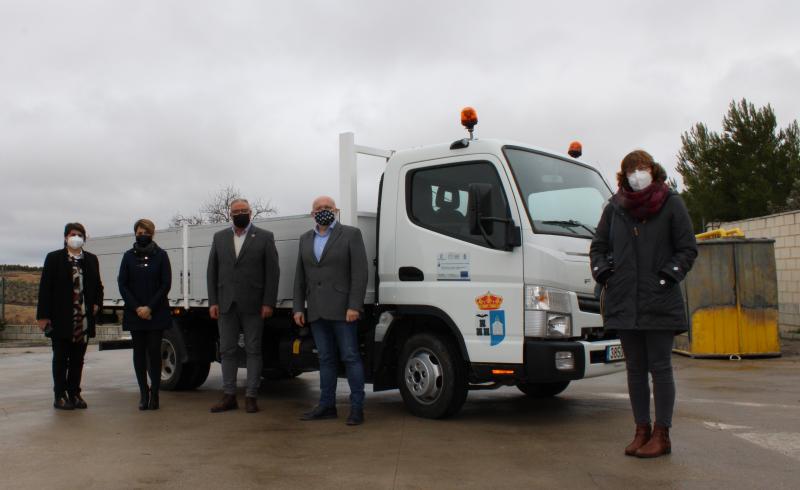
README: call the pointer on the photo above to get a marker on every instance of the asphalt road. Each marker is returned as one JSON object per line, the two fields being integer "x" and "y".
{"x": 737, "y": 425}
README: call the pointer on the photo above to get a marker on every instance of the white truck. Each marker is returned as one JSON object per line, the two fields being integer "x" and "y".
{"x": 479, "y": 277}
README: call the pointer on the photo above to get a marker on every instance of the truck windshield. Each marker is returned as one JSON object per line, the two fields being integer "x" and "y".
{"x": 561, "y": 197}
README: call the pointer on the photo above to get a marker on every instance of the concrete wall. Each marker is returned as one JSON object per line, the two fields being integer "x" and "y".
{"x": 784, "y": 228}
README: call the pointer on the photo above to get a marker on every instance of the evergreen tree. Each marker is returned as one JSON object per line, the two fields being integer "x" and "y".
{"x": 747, "y": 170}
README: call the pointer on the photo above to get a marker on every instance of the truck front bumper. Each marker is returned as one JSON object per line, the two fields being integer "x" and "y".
{"x": 549, "y": 361}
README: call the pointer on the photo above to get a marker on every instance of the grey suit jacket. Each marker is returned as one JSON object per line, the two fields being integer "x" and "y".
{"x": 335, "y": 283}
{"x": 250, "y": 280}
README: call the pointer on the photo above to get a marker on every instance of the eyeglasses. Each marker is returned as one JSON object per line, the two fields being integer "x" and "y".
{"x": 239, "y": 212}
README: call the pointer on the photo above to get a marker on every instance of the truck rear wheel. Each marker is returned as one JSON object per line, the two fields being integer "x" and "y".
{"x": 432, "y": 377}
{"x": 543, "y": 390}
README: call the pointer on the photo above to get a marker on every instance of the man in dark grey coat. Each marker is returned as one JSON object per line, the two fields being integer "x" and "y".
{"x": 242, "y": 279}
{"x": 331, "y": 278}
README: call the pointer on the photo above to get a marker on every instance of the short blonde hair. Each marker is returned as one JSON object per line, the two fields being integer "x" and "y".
{"x": 145, "y": 224}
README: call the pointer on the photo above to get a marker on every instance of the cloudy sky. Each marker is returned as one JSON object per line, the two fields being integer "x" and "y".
{"x": 115, "y": 110}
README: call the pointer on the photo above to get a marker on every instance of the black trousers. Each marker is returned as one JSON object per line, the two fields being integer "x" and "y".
{"x": 147, "y": 357}
{"x": 67, "y": 366}
{"x": 650, "y": 351}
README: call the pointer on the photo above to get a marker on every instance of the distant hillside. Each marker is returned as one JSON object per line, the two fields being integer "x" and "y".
{"x": 18, "y": 268}
{"x": 22, "y": 290}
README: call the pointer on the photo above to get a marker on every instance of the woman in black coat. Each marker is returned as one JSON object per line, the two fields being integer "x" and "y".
{"x": 70, "y": 295}
{"x": 643, "y": 248}
{"x": 145, "y": 278}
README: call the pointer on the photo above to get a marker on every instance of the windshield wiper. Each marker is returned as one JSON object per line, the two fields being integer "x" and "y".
{"x": 569, "y": 224}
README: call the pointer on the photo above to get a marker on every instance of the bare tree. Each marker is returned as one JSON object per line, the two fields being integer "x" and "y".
{"x": 218, "y": 207}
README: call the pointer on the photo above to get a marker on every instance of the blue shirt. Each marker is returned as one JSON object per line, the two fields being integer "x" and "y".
{"x": 320, "y": 240}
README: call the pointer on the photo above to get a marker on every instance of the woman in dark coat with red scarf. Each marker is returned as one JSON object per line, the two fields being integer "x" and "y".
{"x": 643, "y": 248}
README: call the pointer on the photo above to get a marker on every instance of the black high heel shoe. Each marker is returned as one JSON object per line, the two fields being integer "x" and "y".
{"x": 153, "y": 402}
{"x": 144, "y": 399}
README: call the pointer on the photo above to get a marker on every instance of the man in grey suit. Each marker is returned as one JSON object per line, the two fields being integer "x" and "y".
{"x": 332, "y": 278}
{"x": 242, "y": 279}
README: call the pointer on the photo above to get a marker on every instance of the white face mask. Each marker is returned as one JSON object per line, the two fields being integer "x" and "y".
{"x": 75, "y": 242}
{"x": 640, "y": 179}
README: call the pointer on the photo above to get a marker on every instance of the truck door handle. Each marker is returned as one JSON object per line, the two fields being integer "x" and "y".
{"x": 411, "y": 274}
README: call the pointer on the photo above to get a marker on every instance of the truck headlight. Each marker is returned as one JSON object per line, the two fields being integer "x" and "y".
{"x": 547, "y": 312}
{"x": 559, "y": 326}
{"x": 546, "y": 299}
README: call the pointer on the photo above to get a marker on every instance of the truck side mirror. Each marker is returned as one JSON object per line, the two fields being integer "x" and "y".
{"x": 480, "y": 206}
{"x": 481, "y": 221}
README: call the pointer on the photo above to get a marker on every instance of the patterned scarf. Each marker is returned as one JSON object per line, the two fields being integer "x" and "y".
{"x": 80, "y": 325}
{"x": 644, "y": 203}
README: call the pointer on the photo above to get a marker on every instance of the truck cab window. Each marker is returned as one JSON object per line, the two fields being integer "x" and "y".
{"x": 562, "y": 197}
{"x": 438, "y": 197}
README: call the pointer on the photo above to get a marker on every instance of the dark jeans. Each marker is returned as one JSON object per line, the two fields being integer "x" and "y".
{"x": 342, "y": 337}
{"x": 650, "y": 351}
{"x": 67, "y": 366}
{"x": 147, "y": 357}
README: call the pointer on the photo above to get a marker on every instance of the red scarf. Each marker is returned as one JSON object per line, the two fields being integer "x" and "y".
{"x": 644, "y": 203}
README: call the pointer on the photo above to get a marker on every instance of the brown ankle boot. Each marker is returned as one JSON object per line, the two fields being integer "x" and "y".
{"x": 643, "y": 433}
{"x": 658, "y": 445}
{"x": 250, "y": 404}
{"x": 228, "y": 402}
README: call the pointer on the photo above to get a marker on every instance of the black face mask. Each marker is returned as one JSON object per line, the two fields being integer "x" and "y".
{"x": 324, "y": 217}
{"x": 241, "y": 220}
{"x": 144, "y": 240}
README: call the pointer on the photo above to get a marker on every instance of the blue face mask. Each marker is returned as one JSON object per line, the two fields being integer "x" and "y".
{"x": 324, "y": 217}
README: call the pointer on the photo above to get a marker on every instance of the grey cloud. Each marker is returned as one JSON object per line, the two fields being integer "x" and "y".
{"x": 110, "y": 111}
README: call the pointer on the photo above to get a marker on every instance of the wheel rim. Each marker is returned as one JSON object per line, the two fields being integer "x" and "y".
{"x": 169, "y": 360}
{"x": 423, "y": 376}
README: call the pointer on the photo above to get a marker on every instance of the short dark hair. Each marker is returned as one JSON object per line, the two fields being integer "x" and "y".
{"x": 635, "y": 159}
{"x": 74, "y": 227}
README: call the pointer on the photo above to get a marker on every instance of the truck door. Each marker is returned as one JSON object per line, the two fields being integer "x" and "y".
{"x": 440, "y": 264}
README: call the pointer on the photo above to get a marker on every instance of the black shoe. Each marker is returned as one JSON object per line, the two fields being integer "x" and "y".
{"x": 153, "y": 401}
{"x": 78, "y": 402}
{"x": 63, "y": 403}
{"x": 319, "y": 412}
{"x": 356, "y": 416}
{"x": 144, "y": 399}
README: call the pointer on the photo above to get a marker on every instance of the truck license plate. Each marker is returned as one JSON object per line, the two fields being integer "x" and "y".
{"x": 614, "y": 353}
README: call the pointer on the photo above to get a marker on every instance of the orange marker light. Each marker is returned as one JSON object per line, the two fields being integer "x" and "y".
{"x": 469, "y": 118}
{"x": 502, "y": 371}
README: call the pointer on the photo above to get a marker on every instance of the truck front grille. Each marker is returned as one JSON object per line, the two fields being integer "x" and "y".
{"x": 589, "y": 304}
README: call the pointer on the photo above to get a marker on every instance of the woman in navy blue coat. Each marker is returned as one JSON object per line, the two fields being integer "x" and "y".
{"x": 145, "y": 278}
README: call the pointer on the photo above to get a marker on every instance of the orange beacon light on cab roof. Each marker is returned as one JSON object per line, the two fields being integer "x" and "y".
{"x": 469, "y": 118}
{"x": 575, "y": 149}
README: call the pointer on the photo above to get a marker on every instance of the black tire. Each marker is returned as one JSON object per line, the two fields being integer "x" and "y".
{"x": 177, "y": 375}
{"x": 543, "y": 390}
{"x": 199, "y": 375}
{"x": 432, "y": 376}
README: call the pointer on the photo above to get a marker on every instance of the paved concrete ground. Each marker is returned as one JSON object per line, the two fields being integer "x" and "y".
{"x": 737, "y": 426}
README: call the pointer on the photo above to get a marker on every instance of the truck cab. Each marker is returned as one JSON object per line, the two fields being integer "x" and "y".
{"x": 483, "y": 274}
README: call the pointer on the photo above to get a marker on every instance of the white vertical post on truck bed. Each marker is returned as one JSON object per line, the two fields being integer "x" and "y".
{"x": 348, "y": 174}
{"x": 185, "y": 275}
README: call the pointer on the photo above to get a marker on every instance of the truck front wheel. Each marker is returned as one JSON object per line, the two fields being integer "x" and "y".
{"x": 432, "y": 377}
{"x": 543, "y": 390}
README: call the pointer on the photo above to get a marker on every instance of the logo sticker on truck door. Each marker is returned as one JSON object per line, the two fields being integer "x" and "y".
{"x": 490, "y": 321}
{"x": 452, "y": 266}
